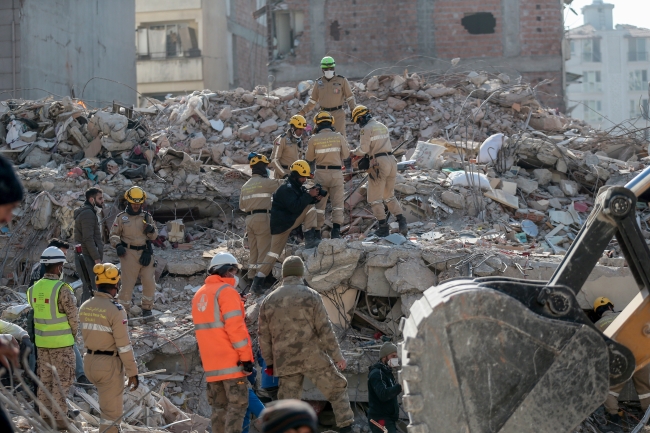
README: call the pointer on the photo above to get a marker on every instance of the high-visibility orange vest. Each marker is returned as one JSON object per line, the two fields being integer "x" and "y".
{"x": 218, "y": 314}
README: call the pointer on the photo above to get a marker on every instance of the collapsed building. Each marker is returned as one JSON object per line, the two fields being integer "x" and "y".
{"x": 492, "y": 183}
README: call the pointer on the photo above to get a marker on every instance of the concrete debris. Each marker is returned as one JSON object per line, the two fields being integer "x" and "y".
{"x": 491, "y": 183}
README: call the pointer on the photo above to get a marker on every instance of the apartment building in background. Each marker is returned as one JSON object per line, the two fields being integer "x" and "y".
{"x": 523, "y": 38}
{"x": 74, "y": 48}
{"x": 613, "y": 64}
{"x": 182, "y": 46}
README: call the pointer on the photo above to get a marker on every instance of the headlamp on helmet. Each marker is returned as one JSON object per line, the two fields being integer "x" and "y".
{"x": 135, "y": 195}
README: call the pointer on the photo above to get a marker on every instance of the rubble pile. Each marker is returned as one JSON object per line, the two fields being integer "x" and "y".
{"x": 491, "y": 183}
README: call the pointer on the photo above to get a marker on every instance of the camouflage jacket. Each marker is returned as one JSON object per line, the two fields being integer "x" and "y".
{"x": 295, "y": 333}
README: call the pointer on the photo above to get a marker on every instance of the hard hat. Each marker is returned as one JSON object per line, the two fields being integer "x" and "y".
{"x": 106, "y": 273}
{"x": 359, "y": 110}
{"x": 327, "y": 62}
{"x": 52, "y": 255}
{"x": 323, "y": 116}
{"x": 135, "y": 194}
{"x": 298, "y": 121}
{"x": 257, "y": 158}
{"x": 221, "y": 259}
{"x": 301, "y": 167}
{"x": 599, "y": 302}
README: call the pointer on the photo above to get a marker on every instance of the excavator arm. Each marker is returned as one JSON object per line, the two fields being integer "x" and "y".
{"x": 505, "y": 355}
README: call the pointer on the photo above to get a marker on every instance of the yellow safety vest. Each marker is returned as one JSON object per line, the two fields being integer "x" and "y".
{"x": 51, "y": 328}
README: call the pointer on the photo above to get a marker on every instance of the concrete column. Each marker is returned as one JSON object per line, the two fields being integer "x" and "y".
{"x": 426, "y": 31}
{"x": 317, "y": 30}
{"x": 510, "y": 28}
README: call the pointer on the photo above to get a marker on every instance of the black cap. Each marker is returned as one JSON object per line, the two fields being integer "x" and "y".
{"x": 11, "y": 190}
{"x": 280, "y": 416}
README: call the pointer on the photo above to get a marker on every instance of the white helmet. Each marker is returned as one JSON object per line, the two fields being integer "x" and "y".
{"x": 221, "y": 259}
{"x": 52, "y": 255}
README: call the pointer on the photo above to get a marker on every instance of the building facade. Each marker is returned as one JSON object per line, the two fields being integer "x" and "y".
{"x": 182, "y": 46}
{"x": 67, "y": 48}
{"x": 519, "y": 37}
{"x": 613, "y": 64}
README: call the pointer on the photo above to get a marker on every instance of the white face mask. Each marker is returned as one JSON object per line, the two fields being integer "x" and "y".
{"x": 236, "y": 281}
{"x": 328, "y": 74}
{"x": 393, "y": 362}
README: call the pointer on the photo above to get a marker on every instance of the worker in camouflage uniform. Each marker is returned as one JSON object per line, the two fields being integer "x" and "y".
{"x": 287, "y": 147}
{"x": 331, "y": 92}
{"x": 56, "y": 323}
{"x": 297, "y": 341}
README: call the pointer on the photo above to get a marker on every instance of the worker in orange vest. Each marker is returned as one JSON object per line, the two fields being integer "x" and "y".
{"x": 224, "y": 343}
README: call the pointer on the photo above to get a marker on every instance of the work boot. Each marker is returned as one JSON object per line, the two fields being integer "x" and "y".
{"x": 383, "y": 229}
{"x": 147, "y": 315}
{"x": 83, "y": 381}
{"x": 346, "y": 429}
{"x": 258, "y": 285}
{"x": 336, "y": 231}
{"x": 311, "y": 241}
{"x": 403, "y": 229}
{"x": 614, "y": 423}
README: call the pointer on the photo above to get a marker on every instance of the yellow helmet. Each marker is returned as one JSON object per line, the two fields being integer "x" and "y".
{"x": 359, "y": 110}
{"x": 257, "y": 158}
{"x": 301, "y": 167}
{"x": 323, "y": 116}
{"x": 298, "y": 122}
{"x": 106, "y": 273}
{"x": 599, "y": 302}
{"x": 135, "y": 194}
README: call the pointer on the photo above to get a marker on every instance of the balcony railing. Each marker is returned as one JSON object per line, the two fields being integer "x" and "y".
{"x": 637, "y": 56}
{"x": 591, "y": 57}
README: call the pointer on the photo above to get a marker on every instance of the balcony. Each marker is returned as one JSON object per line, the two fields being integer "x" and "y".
{"x": 637, "y": 56}
{"x": 170, "y": 69}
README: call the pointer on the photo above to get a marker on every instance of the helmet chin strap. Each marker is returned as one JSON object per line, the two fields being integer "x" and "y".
{"x": 130, "y": 210}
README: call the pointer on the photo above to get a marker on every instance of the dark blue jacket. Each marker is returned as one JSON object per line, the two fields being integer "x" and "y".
{"x": 383, "y": 390}
{"x": 288, "y": 203}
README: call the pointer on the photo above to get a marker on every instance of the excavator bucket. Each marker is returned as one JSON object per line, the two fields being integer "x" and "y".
{"x": 480, "y": 360}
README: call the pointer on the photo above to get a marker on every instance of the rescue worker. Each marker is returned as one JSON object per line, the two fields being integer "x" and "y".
{"x": 255, "y": 200}
{"x": 293, "y": 204}
{"x": 383, "y": 390}
{"x": 11, "y": 191}
{"x": 56, "y": 323}
{"x": 224, "y": 343}
{"x": 289, "y": 416}
{"x": 88, "y": 235}
{"x": 109, "y": 354}
{"x": 331, "y": 92}
{"x": 297, "y": 341}
{"x": 378, "y": 160}
{"x": 604, "y": 308}
{"x": 327, "y": 150}
{"x": 131, "y": 235}
{"x": 287, "y": 147}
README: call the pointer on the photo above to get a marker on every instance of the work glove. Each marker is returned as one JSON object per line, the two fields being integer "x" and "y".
{"x": 269, "y": 370}
{"x": 145, "y": 258}
{"x": 121, "y": 250}
{"x": 26, "y": 344}
{"x": 133, "y": 382}
{"x": 248, "y": 366}
{"x": 149, "y": 228}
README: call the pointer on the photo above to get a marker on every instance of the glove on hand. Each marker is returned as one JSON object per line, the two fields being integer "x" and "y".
{"x": 121, "y": 250}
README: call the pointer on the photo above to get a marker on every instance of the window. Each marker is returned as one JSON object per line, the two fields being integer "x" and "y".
{"x": 637, "y": 51}
{"x": 288, "y": 27}
{"x": 161, "y": 41}
{"x": 592, "y": 111}
{"x": 638, "y": 80}
{"x": 638, "y": 108}
{"x": 591, "y": 50}
{"x": 572, "y": 44}
{"x": 591, "y": 81}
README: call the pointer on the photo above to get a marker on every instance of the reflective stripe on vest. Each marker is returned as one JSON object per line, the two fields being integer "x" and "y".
{"x": 224, "y": 371}
{"x": 96, "y": 327}
{"x": 379, "y": 137}
{"x": 51, "y": 327}
{"x": 240, "y": 344}
{"x": 261, "y": 195}
{"x": 217, "y": 323}
{"x": 328, "y": 150}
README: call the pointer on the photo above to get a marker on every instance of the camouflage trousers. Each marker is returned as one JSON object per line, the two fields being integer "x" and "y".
{"x": 64, "y": 361}
{"x": 330, "y": 382}
{"x": 229, "y": 401}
